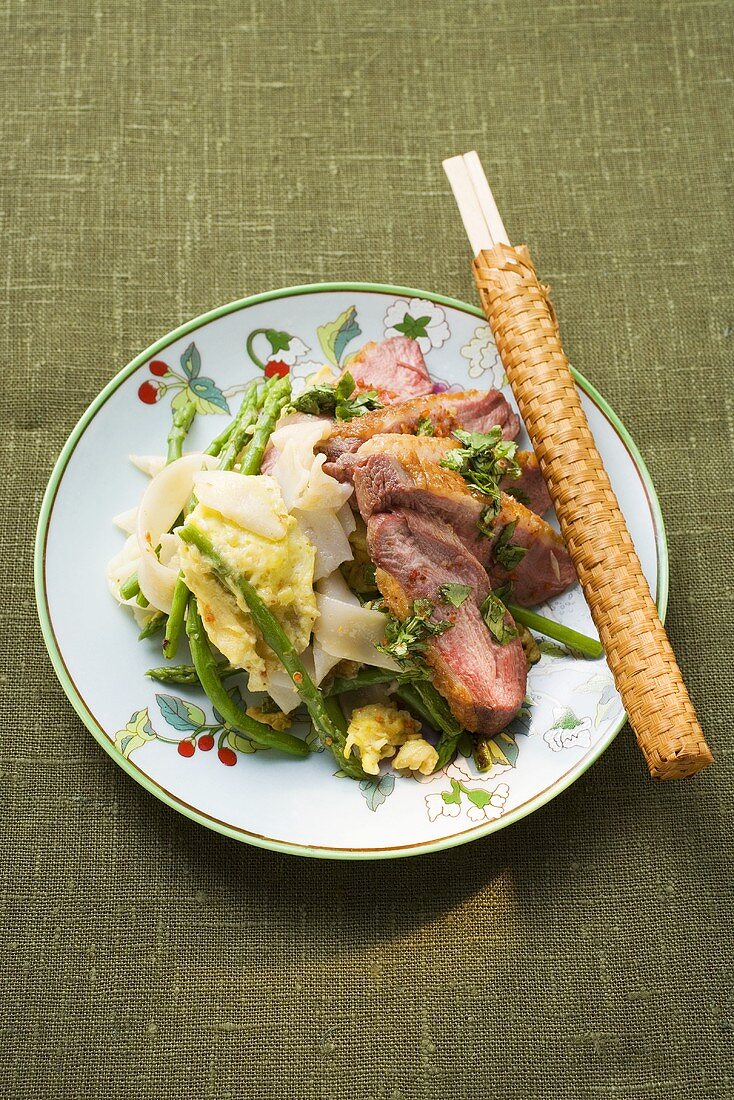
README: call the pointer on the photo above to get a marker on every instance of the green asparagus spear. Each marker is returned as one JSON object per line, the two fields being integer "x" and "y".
{"x": 154, "y": 624}
{"x": 242, "y": 425}
{"x": 428, "y": 704}
{"x": 449, "y": 729}
{"x": 331, "y": 732}
{"x": 186, "y": 674}
{"x": 277, "y": 396}
{"x": 408, "y": 695}
{"x": 483, "y": 757}
{"x": 335, "y": 712}
{"x": 219, "y": 441}
{"x": 130, "y": 588}
{"x": 231, "y": 441}
{"x": 581, "y": 643}
{"x": 208, "y": 672}
{"x": 182, "y": 420}
{"x": 176, "y": 616}
{"x": 364, "y": 677}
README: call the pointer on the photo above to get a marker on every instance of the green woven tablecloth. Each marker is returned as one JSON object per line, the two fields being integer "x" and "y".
{"x": 160, "y": 159}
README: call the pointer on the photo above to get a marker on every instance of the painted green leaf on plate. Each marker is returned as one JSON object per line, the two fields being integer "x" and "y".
{"x": 136, "y": 733}
{"x": 180, "y": 714}
{"x": 335, "y": 335}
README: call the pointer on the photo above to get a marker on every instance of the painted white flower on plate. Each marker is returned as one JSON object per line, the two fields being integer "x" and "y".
{"x": 419, "y": 319}
{"x": 607, "y": 699}
{"x": 496, "y": 770}
{"x": 293, "y": 353}
{"x": 483, "y": 356}
{"x": 460, "y": 769}
{"x": 568, "y": 731}
{"x": 492, "y": 808}
{"x": 437, "y": 807}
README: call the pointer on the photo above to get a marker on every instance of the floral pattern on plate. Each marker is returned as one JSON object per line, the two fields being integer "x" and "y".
{"x": 190, "y": 385}
{"x": 484, "y": 359}
{"x": 418, "y": 319}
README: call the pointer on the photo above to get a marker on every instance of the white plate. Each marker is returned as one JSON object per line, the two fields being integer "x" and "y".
{"x": 266, "y": 799}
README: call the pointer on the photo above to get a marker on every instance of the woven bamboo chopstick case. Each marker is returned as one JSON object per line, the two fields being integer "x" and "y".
{"x": 639, "y": 654}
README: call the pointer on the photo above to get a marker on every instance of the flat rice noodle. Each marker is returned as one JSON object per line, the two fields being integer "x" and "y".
{"x": 345, "y": 516}
{"x": 323, "y": 492}
{"x": 150, "y": 465}
{"x": 351, "y": 633}
{"x": 299, "y": 472}
{"x": 323, "y": 662}
{"x": 337, "y": 588}
{"x": 127, "y": 521}
{"x": 253, "y": 502}
{"x": 169, "y": 552}
{"x": 310, "y": 429}
{"x": 327, "y": 537}
{"x": 161, "y": 504}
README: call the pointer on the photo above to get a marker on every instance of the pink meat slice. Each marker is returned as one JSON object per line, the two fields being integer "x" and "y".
{"x": 483, "y": 681}
{"x": 530, "y": 488}
{"x": 394, "y": 473}
{"x": 473, "y": 410}
{"x": 395, "y": 368}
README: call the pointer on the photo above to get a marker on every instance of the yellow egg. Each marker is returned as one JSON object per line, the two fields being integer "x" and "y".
{"x": 280, "y": 569}
{"x": 378, "y": 730}
{"x": 416, "y": 755}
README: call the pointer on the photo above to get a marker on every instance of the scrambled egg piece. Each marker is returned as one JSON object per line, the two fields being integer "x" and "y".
{"x": 280, "y": 569}
{"x": 379, "y": 730}
{"x": 416, "y": 755}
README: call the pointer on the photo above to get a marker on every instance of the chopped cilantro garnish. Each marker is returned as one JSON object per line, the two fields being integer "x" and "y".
{"x": 485, "y": 523}
{"x": 493, "y": 612}
{"x": 503, "y": 592}
{"x": 406, "y": 641}
{"x": 425, "y": 426}
{"x": 337, "y": 400}
{"x": 505, "y": 552}
{"x": 483, "y": 460}
{"x": 454, "y": 594}
{"x": 519, "y": 494}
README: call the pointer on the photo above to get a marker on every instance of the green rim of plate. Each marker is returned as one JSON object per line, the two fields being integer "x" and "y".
{"x": 264, "y": 842}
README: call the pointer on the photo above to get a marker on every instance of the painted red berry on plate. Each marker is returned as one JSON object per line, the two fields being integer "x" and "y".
{"x": 149, "y": 392}
{"x": 276, "y": 367}
{"x": 206, "y": 742}
{"x": 158, "y": 367}
{"x": 228, "y": 757}
{"x": 186, "y": 748}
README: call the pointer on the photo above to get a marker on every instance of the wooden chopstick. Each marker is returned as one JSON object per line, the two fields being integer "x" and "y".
{"x": 472, "y": 214}
{"x": 525, "y": 329}
{"x": 485, "y": 198}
